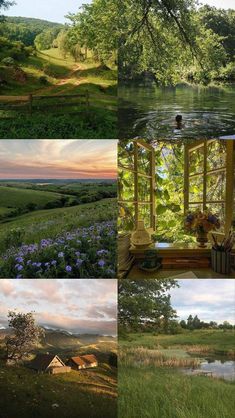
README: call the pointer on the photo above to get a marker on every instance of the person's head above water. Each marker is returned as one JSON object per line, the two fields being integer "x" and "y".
{"x": 178, "y": 118}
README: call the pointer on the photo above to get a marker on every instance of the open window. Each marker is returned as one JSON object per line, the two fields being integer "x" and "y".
{"x": 209, "y": 179}
{"x": 209, "y": 182}
{"x": 137, "y": 184}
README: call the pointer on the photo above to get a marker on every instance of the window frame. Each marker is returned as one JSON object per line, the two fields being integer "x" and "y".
{"x": 228, "y": 169}
{"x": 136, "y": 202}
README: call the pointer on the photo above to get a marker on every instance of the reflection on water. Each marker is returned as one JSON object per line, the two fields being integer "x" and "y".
{"x": 217, "y": 368}
{"x": 149, "y": 111}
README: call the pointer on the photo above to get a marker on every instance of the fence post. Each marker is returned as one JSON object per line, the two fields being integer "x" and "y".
{"x": 87, "y": 102}
{"x": 30, "y": 104}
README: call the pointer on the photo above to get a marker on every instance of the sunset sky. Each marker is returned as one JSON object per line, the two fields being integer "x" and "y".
{"x": 210, "y": 299}
{"x": 70, "y": 159}
{"x": 78, "y": 305}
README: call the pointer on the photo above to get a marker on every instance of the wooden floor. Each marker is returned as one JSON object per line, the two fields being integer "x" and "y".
{"x": 136, "y": 273}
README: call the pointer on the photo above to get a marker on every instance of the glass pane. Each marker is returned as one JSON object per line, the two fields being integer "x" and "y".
{"x": 196, "y": 161}
{"x": 126, "y": 219}
{"x": 126, "y": 154}
{"x": 144, "y": 161}
{"x": 196, "y": 189}
{"x": 125, "y": 185}
{"x": 145, "y": 215}
{"x": 216, "y": 186}
{"x": 143, "y": 189}
{"x": 219, "y": 210}
{"x": 194, "y": 206}
{"x": 216, "y": 155}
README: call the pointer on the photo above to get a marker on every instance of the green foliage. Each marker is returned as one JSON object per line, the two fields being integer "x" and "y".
{"x": 13, "y": 49}
{"x": 96, "y": 28}
{"x": 26, "y": 335}
{"x": 46, "y": 38}
{"x": 172, "y": 41}
{"x": 26, "y": 29}
{"x": 143, "y": 301}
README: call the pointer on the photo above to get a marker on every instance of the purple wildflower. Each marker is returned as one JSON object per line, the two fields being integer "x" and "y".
{"x": 68, "y": 269}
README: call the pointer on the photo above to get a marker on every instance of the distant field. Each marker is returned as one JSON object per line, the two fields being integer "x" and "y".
{"x": 11, "y": 197}
{"x": 147, "y": 390}
{"x": 216, "y": 340}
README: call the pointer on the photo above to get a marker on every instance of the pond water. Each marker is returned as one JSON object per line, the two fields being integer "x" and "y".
{"x": 221, "y": 368}
{"x": 148, "y": 111}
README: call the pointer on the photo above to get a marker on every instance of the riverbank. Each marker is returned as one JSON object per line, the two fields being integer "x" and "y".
{"x": 152, "y": 382}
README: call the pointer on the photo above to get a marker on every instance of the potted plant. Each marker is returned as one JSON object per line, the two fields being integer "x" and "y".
{"x": 201, "y": 223}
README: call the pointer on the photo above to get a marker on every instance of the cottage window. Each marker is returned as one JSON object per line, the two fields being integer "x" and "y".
{"x": 209, "y": 177}
{"x": 137, "y": 184}
{"x": 208, "y": 181}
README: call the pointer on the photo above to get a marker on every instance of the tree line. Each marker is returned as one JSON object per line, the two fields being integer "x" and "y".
{"x": 145, "y": 306}
{"x": 93, "y": 28}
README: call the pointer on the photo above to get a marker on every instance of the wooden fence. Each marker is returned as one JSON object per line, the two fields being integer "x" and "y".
{"x": 33, "y": 104}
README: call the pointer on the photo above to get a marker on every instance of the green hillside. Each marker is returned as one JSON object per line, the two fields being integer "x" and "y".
{"x": 73, "y": 242}
{"x": 90, "y": 392}
{"x": 12, "y": 197}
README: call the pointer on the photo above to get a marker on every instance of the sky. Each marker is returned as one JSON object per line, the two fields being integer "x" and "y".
{"x": 78, "y": 305}
{"x": 52, "y": 10}
{"x": 69, "y": 159}
{"x": 210, "y": 299}
{"x": 220, "y": 4}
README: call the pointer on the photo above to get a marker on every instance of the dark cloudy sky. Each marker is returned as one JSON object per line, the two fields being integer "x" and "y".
{"x": 79, "y": 305}
{"x": 210, "y": 299}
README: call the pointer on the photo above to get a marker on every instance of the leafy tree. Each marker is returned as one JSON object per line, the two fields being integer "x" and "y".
{"x": 95, "y": 28}
{"x": 144, "y": 300}
{"x": 5, "y": 4}
{"x": 46, "y": 38}
{"x": 167, "y": 40}
{"x": 183, "y": 324}
{"x": 26, "y": 334}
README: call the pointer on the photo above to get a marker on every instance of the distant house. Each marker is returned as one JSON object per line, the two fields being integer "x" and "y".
{"x": 83, "y": 362}
{"x": 49, "y": 363}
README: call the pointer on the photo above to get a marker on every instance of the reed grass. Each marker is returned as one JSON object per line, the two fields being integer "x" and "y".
{"x": 141, "y": 356}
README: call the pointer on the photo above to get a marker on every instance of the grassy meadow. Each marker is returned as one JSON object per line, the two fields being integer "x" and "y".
{"x": 151, "y": 383}
{"x": 49, "y": 73}
{"x": 92, "y": 392}
{"x": 57, "y": 230}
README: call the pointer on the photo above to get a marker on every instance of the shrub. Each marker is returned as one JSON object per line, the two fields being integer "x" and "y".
{"x": 43, "y": 80}
{"x": 8, "y": 61}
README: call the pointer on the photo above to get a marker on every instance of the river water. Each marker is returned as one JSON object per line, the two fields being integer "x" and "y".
{"x": 221, "y": 368}
{"x": 148, "y": 111}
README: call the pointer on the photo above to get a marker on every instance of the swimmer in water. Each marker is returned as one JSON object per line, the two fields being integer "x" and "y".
{"x": 178, "y": 120}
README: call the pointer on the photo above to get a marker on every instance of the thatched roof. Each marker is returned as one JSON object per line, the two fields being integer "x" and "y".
{"x": 43, "y": 361}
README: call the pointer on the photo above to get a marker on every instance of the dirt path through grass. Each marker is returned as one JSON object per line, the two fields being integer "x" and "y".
{"x": 61, "y": 82}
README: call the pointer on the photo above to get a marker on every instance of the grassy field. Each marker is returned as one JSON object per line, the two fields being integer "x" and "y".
{"x": 19, "y": 198}
{"x": 48, "y": 73}
{"x": 86, "y": 393}
{"x": 68, "y": 241}
{"x": 216, "y": 341}
{"x": 148, "y": 390}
